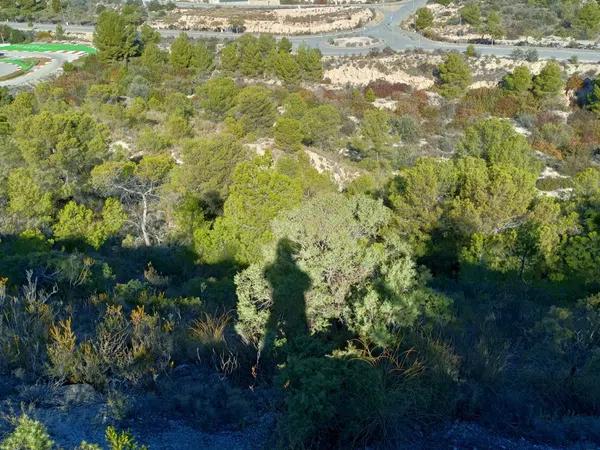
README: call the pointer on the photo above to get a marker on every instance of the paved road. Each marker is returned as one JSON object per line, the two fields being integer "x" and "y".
{"x": 387, "y": 31}
{"x": 54, "y": 64}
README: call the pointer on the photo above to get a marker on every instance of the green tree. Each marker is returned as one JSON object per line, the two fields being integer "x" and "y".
{"x": 255, "y": 109}
{"x": 311, "y": 66}
{"x": 251, "y": 60}
{"x": 149, "y": 35}
{"x": 489, "y": 198}
{"x": 217, "y": 96}
{"x": 208, "y": 166}
{"x": 496, "y": 141}
{"x": 284, "y": 45}
{"x": 285, "y": 67}
{"x": 257, "y": 195}
{"x": 520, "y": 80}
{"x": 454, "y": 75}
{"x": 424, "y": 19}
{"x": 419, "y": 199}
{"x": 321, "y": 126}
{"x": 471, "y": 14}
{"x": 493, "y": 26}
{"x": 593, "y": 98}
{"x": 340, "y": 243}
{"x": 230, "y": 58}
{"x": 587, "y": 20}
{"x": 288, "y": 134}
{"x": 62, "y": 157}
{"x": 548, "y": 83}
{"x": 79, "y": 223}
{"x": 202, "y": 59}
{"x": 375, "y": 130}
{"x": 114, "y": 37}
{"x": 27, "y": 200}
{"x": 153, "y": 56}
{"x": 182, "y": 52}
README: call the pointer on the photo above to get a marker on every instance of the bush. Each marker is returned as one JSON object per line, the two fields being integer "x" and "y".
{"x": 28, "y": 434}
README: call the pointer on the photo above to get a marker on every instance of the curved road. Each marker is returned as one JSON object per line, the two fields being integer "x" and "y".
{"x": 54, "y": 64}
{"x": 387, "y": 30}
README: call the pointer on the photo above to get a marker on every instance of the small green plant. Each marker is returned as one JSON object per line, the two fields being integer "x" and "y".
{"x": 123, "y": 440}
{"x": 470, "y": 51}
{"x": 29, "y": 434}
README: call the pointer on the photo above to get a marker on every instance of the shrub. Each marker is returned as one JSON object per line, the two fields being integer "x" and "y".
{"x": 28, "y": 434}
{"x": 424, "y": 19}
{"x": 454, "y": 76}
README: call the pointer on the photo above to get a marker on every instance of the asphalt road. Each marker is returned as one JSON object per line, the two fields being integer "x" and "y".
{"x": 54, "y": 64}
{"x": 388, "y": 32}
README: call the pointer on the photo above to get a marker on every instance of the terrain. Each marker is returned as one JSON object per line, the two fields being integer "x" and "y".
{"x": 361, "y": 238}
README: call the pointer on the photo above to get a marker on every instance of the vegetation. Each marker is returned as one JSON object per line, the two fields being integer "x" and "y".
{"x": 213, "y": 236}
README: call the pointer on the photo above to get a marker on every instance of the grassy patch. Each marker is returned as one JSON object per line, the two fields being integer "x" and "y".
{"x": 24, "y": 65}
{"x": 48, "y": 47}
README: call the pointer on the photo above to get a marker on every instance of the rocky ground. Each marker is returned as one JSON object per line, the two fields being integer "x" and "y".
{"x": 416, "y": 69}
{"x": 447, "y": 27}
{"x": 77, "y": 413}
{"x": 276, "y": 21}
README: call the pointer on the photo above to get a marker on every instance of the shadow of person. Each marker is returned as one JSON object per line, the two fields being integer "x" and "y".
{"x": 287, "y": 321}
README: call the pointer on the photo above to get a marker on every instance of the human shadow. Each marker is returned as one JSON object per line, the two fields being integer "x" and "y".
{"x": 287, "y": 322}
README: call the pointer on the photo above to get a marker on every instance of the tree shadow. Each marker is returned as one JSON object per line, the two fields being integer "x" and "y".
{"x": 287, "y": 320}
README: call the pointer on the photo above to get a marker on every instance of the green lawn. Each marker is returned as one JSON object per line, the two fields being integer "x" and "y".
{"x": 42, "y": 47}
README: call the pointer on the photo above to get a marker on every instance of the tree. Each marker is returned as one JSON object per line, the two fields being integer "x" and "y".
{"x": 27, "y": 200}
{"x": 114, "y": 37}
{"x": 548, "y": 83}
{"x": 285, "y": 67}
{"x": 251, "y": 60}
{"x": 153, "y": 56}
{"x": 149, "y": 35}
{"x": 237, "y": 24}
{"x": 375, "y": 129}
{"x": 519, "y": 81}
{"x": 230, "y": 58}
{"x": 59, "y": 33}
{"x": 208, "y": 166}
{"x": 424, "y": 19}
{"x": 587, "y": 20}
{"x": 217, "y": 96}
{"x": 593, "y": 99}
{"x": 454, "y": 75}
{"x": 340, "y": 243}
{"x": 182, "y": 52}
{"x": 138, "y": 187}
{"x": 288, "y": 134}
{"x": 490, "y": 198}
{"x": 255, "y": 109}
{"x": 79, "y": 223}
{"x": 61, "y": 158}
{"x": 494, "y": 26}
{"x": 496, "y": 141}
{"x": 56, "y": 6}
{"x": 321, "y": 126}
{"x": 202, "y": 59}
{"x": 257, "y": 195}
{"x": 471, "y": 14}
{"x": 470, "y": 52}
{"x": 309, "y": 60}
{"x": 419, "y": 200}
{"x": 284, "y": 45}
